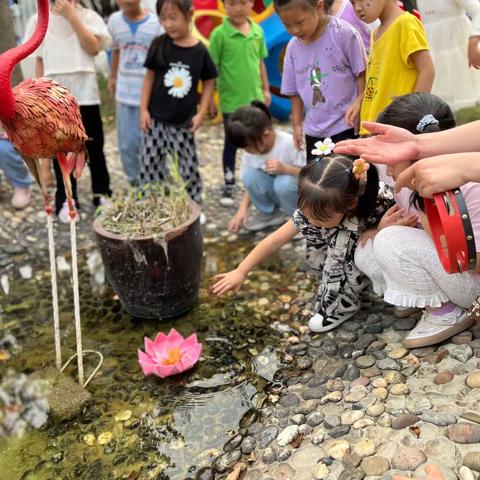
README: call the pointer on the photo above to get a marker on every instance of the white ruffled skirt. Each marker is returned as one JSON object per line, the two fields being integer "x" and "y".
{"x": 404, "y": 267}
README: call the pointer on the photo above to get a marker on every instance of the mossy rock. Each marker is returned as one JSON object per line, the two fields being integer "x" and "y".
{"x": 66, "y": 398}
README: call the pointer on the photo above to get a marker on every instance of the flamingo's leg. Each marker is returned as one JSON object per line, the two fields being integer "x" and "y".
{"x": 73, "y": 241}
{"x": 53, "y": 275}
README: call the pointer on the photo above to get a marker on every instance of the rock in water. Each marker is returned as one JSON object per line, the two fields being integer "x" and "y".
{"x": 408, "y": 458}
{"x": 66, "y": 398}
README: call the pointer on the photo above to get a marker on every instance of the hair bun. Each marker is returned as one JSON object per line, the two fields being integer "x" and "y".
{"x": 260, "y": 105}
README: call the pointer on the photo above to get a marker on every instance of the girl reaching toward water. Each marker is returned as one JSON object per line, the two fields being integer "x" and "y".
{"x": 334, "y": 207}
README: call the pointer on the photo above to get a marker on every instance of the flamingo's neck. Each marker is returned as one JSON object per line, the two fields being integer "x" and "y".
{"x": 12, "y": 57}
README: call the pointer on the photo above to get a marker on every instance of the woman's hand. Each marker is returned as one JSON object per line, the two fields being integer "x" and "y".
{"x": 390, "y": 145}
{"x": 396, "y": 216}
{"x": 145, "y": 120}
{"x": 112, "y": 85}
{"x": 298, "y": 137}
{"x": 228, "y": 281}
{"x": 238, "y": 220}
{"x": 439, "y": 174}
{"x": 274, "y": 167}
{"x": 433, "y": 473}
{"x": 65, "y": 8}
{"x": 474, "y": 52}
{"x": 267, "y": 97}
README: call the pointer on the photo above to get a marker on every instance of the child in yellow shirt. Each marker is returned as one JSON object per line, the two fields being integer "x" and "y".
{"x": 399, "y": 61}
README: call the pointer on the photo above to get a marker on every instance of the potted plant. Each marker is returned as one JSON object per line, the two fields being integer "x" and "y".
{"x": 151, "y": 245}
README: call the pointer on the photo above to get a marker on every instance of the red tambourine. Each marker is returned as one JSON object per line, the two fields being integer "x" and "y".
{"x": 451, "y": 231}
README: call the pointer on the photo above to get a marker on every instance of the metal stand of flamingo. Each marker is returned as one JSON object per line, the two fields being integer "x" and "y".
{"x": 42, "y": 120}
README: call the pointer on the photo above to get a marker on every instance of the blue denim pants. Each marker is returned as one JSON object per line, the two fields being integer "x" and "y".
{"x": 128, "y": 132}
{"x": 268, "y": 192}
{"x": 12, "y": 164}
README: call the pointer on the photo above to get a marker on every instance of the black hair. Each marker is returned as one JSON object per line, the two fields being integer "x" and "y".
{"x": 278, "y": 4}
{"x": 327, "y": 5}
{"x": 328, "y": 186}
{"x": 163, "y": 43}
{"x": 407, "y": 111}
{"x": 246, "y": 125}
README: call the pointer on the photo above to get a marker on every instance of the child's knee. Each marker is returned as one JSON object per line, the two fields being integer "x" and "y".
{"x": 285, "y": 184}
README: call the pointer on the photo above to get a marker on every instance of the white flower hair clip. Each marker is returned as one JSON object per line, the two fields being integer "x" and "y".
{"x": 324, "y": 147}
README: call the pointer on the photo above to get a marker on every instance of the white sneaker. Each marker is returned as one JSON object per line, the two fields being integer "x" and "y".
{"x": 21, "y": 197}
{"x": 318, "y": 323}
{"x": 432, "y": 329}
{"x": 64, "y": 214}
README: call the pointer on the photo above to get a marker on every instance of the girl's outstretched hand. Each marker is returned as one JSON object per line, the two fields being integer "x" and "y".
{"x": 298, "y": 137}
{"x": 228, "y": 281}
{"x": 389, "y": 145}
{"x": 197, "y": 121}
{"x": 238, "y": 220}
{"x": 433, "y": 473}
{"x": 396, "y": 216}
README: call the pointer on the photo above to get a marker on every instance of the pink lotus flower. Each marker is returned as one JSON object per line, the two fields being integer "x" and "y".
{"x": 169, "y": 354}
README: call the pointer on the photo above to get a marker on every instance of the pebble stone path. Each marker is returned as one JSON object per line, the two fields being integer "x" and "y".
{"x": 348, "y": 405}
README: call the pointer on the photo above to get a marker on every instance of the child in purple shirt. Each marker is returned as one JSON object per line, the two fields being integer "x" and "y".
{"x": 323, "y": 73}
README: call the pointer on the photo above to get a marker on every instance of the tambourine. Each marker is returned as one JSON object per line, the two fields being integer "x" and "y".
{"x": 451, "y": 231}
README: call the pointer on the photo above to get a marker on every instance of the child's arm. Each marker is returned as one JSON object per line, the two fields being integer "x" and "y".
{"x": 145, "y": 119}
{"x": 206, "y": 98}
{"x": 426, "y": 71}
{"x": 39, "y": 67}
{"x": 240, "y": 217}
{"x": 112, "y": 79}
{"x": 233, "y": 280}
{"x": 265, "y": 85}
{"x": 88, "y": 41}
{"x": 352, "y": 115}
{"x": 472, "y": 8}
{"x": 297, "y": 120}
{"x": 277, "y": 167}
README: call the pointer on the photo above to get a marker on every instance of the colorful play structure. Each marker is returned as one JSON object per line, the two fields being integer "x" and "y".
{"x": 210, "y": 13}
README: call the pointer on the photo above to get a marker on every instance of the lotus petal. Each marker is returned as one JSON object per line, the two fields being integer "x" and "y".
{"x": 146, "y": 362}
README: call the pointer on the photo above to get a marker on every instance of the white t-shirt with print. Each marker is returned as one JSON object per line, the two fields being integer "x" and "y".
{"x": 283, "y": 150}
{"x": 133, "y": 40}
{"x": 64, "y": 59}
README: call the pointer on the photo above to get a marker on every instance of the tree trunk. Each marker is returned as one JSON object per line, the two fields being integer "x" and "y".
{"x": 7, "y": 37}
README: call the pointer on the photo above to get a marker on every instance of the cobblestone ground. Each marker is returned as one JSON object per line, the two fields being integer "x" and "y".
{"x": 350, "y": 404}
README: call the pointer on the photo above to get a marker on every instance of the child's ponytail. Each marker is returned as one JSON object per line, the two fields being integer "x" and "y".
{"x": 368, "y": 199}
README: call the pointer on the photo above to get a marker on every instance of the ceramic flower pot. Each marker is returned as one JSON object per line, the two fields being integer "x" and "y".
{"x": 155, "y": 277}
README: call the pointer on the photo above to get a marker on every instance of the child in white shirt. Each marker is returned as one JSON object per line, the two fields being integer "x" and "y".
{"x": 269, "y": 170}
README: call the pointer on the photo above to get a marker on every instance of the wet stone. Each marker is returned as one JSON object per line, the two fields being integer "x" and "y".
{"x": 351, "y": 473}
{"x": 317, "y": 380}
{"x": 472, "y": 460}
{"x": 307, "y": 407}
{"x": 351, "y": 373}
{"x": 205, "y": 473}
{"x": 443, "y": 377}
{"x": 346, "y": 337}
{"x": 462, "y": 338}
{"x": 473, "y": 379}
{"x": 376, "y": 328}
{"x": 226, "y": 461}
{"x": 403, "y": 324}
{"x": 233, "y": 443}
{"x": 334, "y": 385}
{"x": 404, "y": 420}
{"x": 304, "y": 363}
{"x": 314, "y": 393}
{"x": 464, "y": 433}
{"x": 472, "y": 416}
{"x": 287, "y": 435}
{"x": 283, "y": 455}
{"x": 305, "y": 429}
{"x": 298, "y": 419}
{"x": 375, "y": 466}
{"x": 289, "y": 400}
{"x": 462, "y": 353}
{"x": 352, "y": 459}
{"x": 388, "y": 364}
{"x": 248, "y": 445}
{"x": 376, "y": 345}
{"x": 339, "y": 431}
{"x": 439, "y": 419}
{"x": 267, "y": 436}
{"x": 365, "y": 361}
{"x": 255, "y": 428}
{"x": 269, "y": 456}
{"x": 371, "y": 372}
{"x": 315, "y": 419}
{"x": 408, "y": 458}
{"x": 331, "y": 421}
{"x": 345, "y": 351}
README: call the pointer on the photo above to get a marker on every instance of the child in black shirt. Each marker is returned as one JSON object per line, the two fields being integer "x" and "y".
{"x": 176, "y": 62}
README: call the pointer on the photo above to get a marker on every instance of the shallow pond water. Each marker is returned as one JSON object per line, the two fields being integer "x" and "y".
{"x": 137, "y": 427}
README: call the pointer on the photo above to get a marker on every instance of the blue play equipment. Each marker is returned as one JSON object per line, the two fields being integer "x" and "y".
{"x": 276, "y": 38}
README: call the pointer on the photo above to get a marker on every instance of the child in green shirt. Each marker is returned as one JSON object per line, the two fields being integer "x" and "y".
{"x": 238, "y": 48}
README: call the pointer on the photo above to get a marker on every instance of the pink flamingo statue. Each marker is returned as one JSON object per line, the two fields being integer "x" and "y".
{"x": 42, "y": 120}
